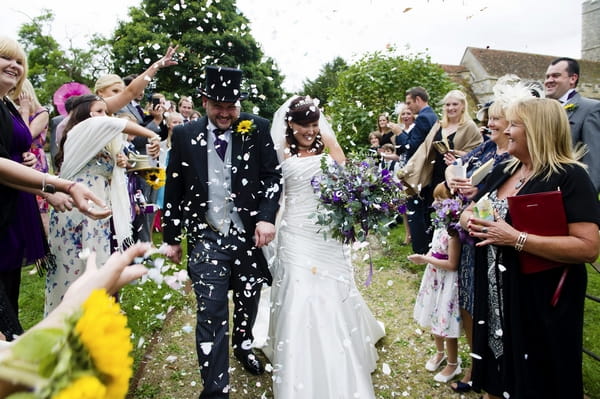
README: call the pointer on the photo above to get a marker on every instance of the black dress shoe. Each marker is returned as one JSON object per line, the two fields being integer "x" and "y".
{"x": 250, "y": 362}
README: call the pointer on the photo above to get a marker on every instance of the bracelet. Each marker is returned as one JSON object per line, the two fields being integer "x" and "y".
{"x": 68, "y": 190}
{"x": 521, "y": 241}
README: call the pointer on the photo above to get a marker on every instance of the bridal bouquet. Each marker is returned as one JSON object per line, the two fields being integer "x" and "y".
{"x": 357, "y": 199}
{"x": 87, "y": 358}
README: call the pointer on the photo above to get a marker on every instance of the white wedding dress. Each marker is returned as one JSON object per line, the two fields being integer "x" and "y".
{"x": 322, "y": 335}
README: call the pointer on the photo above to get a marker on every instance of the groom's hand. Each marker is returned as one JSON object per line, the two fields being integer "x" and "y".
{"x": 173, "y": 252}
{"x": 264, "y": 233}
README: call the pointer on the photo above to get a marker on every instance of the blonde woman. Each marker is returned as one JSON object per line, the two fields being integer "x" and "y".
{"x": 528, "y": 332}
{"x": 457, "y": 134}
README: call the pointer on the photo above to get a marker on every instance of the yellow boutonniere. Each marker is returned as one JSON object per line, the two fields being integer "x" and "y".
{"x": 570, "y": 107}
{"x": 245, "y": 127}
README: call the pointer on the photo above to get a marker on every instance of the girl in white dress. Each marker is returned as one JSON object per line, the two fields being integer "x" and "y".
{"x": 322, "y": 334}
{"x": 437, "y": 301}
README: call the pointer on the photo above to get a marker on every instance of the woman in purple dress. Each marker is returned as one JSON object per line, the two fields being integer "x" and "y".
{"x": 22, "y": 240}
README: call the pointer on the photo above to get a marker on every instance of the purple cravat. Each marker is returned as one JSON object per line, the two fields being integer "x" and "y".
{"x": 220, "y": 144}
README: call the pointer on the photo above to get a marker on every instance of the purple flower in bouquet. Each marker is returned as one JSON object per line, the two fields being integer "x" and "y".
{"x": 356, "y": 199}
{"x": 446, "y": 213}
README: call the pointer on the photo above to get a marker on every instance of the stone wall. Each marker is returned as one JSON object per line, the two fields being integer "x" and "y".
{"x": 590, "y": 30}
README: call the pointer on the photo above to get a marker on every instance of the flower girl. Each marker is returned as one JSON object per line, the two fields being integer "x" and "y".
{"x": 437, "y": 301}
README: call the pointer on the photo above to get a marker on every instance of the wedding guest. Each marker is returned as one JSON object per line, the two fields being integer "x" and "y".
{"x": 223, "y": 188}
{"x": 507, "y": 90}
{"x": 436, "y": 306}
{"x": 527, "y": 328}
{"x": 185, "y": 107}
{"x": 406, "y": 121}
{"x": 88, "y": 154}
{"x": 322, "y": 334}
{"x": 375, "y": 143}
{"x": 383, "y": 122}
{"x": 426, "y": 167}
{"x": 36, "y": 118}
{"x": 173, "y": 119}
{"x": 142, "y": 225}
{"x": 109, "y": 85}
{"x": 417, "y": 101}
{"x": 22, "y": 238}
{"x": 562, "y": 77}
{"x": 57, "y": 126}
{"x": 195, "y": 115}
{"x": 387, "y": 162}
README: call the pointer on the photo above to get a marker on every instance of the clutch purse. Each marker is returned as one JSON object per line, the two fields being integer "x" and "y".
{"x": 541, "y": 214}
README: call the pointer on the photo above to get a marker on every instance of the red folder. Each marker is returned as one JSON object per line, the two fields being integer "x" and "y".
{"x": 541, "y": 214}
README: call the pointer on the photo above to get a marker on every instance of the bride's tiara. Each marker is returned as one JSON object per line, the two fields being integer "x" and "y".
{"x": 305, "y": 101}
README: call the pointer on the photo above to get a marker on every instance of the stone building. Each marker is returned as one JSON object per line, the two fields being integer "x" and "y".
{"x": 480, "y": 68}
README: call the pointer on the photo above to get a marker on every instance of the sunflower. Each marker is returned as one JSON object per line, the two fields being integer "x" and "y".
{"x": 155, "y": 177}
{"x": 102, "y": 330}
{"x": 86, "y": 387}
{"x": 245, "y": 127}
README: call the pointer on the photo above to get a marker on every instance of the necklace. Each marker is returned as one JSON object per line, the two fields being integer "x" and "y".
{"x": 522, "y": 180}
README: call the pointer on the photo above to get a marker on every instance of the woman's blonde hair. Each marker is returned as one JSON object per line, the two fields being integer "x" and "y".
{"x": 28, "y": 89}
{"x": 548, "y": 135}
{"x": 460, "y": 96}
{"x": 442, "y": 191}
{"x": 106, "y": 81}
{"x": 12, "y": 49}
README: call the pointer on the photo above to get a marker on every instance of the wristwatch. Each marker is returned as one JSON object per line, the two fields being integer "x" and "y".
{"x": 49, "y": 188}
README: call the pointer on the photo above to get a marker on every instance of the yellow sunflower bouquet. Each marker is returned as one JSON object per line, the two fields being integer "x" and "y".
{"x": 89, "y": 358}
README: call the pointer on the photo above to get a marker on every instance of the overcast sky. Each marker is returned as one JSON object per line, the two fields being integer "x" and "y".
{"x": 303, "y": 35}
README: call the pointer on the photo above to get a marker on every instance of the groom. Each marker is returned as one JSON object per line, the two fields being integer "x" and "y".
{"x": 223, "y": 188}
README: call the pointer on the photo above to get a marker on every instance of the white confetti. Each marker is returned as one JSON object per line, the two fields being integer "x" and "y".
{"x": 171, "y": 359}
{"x": 385, "y": 368}
{"x": 206, "y": 347}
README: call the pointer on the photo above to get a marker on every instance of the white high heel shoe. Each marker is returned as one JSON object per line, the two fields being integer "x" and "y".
{"x": 432, "y": 365}
{"x": 439, "y": 377}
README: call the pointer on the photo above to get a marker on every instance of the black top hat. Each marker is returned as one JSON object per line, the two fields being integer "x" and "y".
{"x": 223, "y": 84}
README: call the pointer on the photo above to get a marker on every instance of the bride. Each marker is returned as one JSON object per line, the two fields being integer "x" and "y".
{"x": 322, "y": 335}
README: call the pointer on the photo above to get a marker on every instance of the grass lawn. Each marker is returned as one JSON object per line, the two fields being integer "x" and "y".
{"x": 147, "y": 305}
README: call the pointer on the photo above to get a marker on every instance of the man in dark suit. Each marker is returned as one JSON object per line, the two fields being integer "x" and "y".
{"x": 417, "y": 100}
{"x": 561, "y": 81}
{"x": 223, "y": 188}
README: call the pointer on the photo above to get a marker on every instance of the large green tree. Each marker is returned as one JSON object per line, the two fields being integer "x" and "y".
{"x": 323, "y": 86}
{"x": 208, "y": 33}
{"x": 375, "y": 84}
{"x": 49, "y": 65}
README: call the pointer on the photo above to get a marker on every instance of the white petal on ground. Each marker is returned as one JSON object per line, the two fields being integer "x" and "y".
{"x": 385, "y": 368}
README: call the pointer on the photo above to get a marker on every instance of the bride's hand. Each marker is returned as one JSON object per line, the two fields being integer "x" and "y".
{"x": 264, "y": 233}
